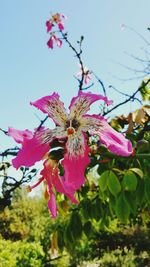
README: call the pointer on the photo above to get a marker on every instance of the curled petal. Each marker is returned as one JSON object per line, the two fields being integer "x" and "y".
{"x": 113, "y": 140}
{"x": 50, "y": 42}
{"x": 52, "y": 204}
{"x": 81, "y": 103}
{"x": 87, "y": 78}
{"x": 75, "y": 161}
{"x": 53, "y": 39}
{"x": 51, "y": 174}
{"x": 53, "y": 107}
{"x": 19, "y": 135}
{"x": 49, "y": 26}
{"x": 33, "y": 150}
{"x": 61, "y": 26}
{"x": 57, "y": 41}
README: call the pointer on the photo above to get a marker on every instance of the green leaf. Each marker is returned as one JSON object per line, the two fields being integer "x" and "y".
{"x": 138, "y": 171}
{"x": 113, "y": 183}
{"x": 103, "y": 180}
{"x": 60, "y": 237}
{"x": 87, "y": 228}
{"x": 145, "y": 91}
{"x": 122, "y": 208}
{"x": 140, "y": 192}
{"x": 76, "y": 225}
{"x": 96, "y": 212}
{"x": 147, "y": 189}
{"x": 86, "y": 208}
{"x": 130, "y": 197}
{"x": 130, "y": 181}
{"x": 68, "y": 237}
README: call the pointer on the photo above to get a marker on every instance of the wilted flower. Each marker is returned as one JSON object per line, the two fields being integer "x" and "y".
{"x": 73, "y": 130}
{"x": 56, "y": 19}
{"x": 53, "y": 39}
{"x": 86, "y": 73}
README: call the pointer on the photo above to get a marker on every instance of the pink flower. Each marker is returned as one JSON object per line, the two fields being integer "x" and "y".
{"x": 72, "y": 129}
{"x": 56, "y": 19}
{"x": 51, "y": 174}
{"x": 87, "y": 74}
{"x": 53, "y": 39}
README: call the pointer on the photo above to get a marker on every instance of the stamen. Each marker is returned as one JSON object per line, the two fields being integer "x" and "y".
{"x": 30, "y": 187}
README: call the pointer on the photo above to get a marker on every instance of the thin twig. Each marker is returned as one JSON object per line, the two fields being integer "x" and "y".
{"x": 101, "y": 83}
{"x": 78, "y": 55}
{"x": 128, "y": 99}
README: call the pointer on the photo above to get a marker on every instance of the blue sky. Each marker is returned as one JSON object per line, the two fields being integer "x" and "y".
{"x": 29, "y": 70}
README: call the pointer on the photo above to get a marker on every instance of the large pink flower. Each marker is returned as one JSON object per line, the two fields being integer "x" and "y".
{"x": 71, "y": 129}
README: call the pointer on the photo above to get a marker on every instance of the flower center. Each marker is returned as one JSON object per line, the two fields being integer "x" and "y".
{"x": 70, "y": 130}
{"x": 72, "y": 126}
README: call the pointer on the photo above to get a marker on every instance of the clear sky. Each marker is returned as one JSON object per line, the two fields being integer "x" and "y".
{"x": 29, "y": 70}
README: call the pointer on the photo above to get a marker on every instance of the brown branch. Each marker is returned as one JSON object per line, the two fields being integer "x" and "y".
{"x": 42, "y": 123}
{"x": 100, "y": 82}
{"x": 78, "y": 55}
{"x": 118, "y": 91}
{"x": 127, "y": 100}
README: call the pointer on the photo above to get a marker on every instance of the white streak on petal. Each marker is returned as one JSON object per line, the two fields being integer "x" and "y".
{"x": 53, "y": 107}
{"x": 81, "y": 103}
{"x": 75, "y": 145}
{"x": 48, "y": 136}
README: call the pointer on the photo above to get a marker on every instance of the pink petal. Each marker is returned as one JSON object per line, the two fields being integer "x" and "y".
{"x": 59, "y": 42}
{"x": 62, "y": 187}
{"x": 87, "y": 78}
{"x": 49, "y": 26}
{"x": 113, "y": 140}
{"x": 33, "y": 150}
{"x": 81, "y": 103}
{"x": 61, "y": 26}
{"x": 74, "y": 167}
{"x": 50, "y": 173}
{"x": 50, "y": 42}
{"x": 53, "y": 107}
{"x": 52, "y": 204}
{"x": 116, "y": 142}
{"x": 19, "y": 135}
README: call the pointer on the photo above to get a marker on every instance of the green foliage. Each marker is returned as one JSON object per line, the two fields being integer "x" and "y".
{"x": 145, "y": 90}
{"x": 30, "y": 255}
{"x": 21, "y": 254}
{"x": 122, "y": 208}
{"x": 113, "y": 184}
{"x": 123, "y": 258}
{"x": 27, "y": 219}
{"x": 129, "y": 181}
{"x": 103, "y": 181}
